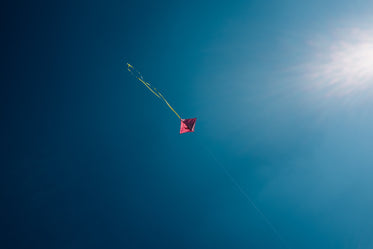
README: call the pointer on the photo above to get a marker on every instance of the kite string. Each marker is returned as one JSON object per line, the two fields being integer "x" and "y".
{"x": 152, "y": 89}
{"x": 247, "y": 197}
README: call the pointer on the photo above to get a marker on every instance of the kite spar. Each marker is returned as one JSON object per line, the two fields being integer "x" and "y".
{"x": 187, "y": 125}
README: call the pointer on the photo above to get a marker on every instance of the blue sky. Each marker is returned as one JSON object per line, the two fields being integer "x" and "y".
{"x": 282, "y": 92}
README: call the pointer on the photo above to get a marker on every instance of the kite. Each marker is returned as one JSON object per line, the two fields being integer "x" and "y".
{"x": 187, "y": 125}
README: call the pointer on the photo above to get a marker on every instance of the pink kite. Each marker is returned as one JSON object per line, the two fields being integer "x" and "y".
{"x": 187, "y": 125}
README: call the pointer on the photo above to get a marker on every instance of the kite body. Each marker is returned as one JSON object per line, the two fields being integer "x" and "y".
{"x": 187, "y": 125}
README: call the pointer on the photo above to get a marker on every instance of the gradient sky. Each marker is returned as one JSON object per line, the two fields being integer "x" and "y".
{"x": 282, "y": 92}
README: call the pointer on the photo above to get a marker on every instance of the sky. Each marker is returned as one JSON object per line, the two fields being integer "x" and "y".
{"x": 281, "y": 156}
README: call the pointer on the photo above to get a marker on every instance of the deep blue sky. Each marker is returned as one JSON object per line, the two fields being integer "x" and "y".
{"x": 91, "y": 159}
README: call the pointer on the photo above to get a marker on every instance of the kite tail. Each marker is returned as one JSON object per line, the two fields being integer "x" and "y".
{"x": 172, "y": 109}
{"x": 138, "y": 76}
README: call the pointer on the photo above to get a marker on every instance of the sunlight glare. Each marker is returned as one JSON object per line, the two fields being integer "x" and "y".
{"x": 344, "y": 64}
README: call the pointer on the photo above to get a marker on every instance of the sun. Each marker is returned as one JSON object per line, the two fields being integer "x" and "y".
{"x": 343, "y": 64}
